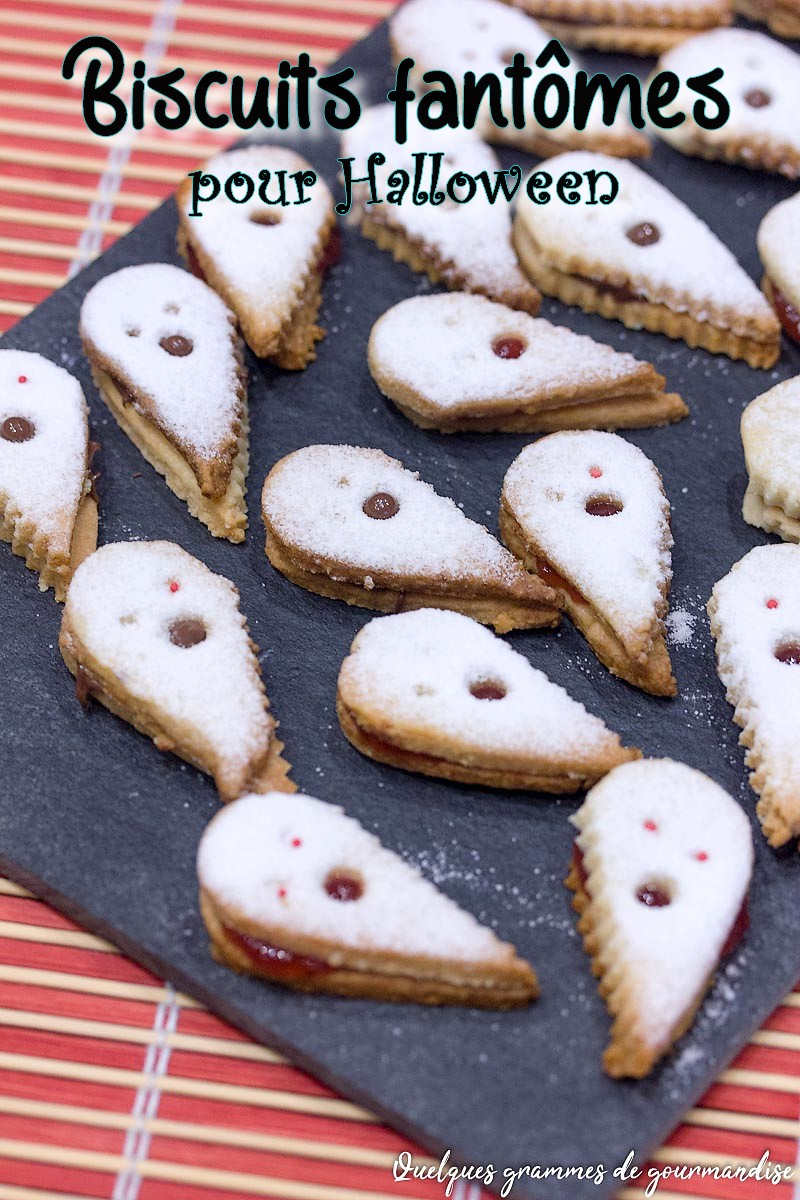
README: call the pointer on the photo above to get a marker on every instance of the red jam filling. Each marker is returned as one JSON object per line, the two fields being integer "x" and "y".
{"x": 551, "y": 577}
{"x": 332, "y": 251}
{"x": 789, "y": 653}
{"x": 620, "y": 292}
{"x": 603, "y": 506}
{"x": 487, "y": 689}
{"x": 508, "y": 347}
{"x": 276, "y": 962}
{"x": 652, "y": 896}
{"x": 788, "y": 314}
{"x": 737, "y": 931}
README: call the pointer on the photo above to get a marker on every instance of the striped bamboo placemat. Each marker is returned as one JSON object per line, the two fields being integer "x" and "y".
{"x": 111, "y": 1083}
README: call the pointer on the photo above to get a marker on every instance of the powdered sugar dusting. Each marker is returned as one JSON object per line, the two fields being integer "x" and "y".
{"x": 680, "y": 627}
{"x": 651, "y": 822}
{"x": 314, "y": 499}
{"x": 453, "y": 364}
{"x": 43, "y": 478}
{"x": 415, "y": 669}
{"x": 619, "y": 563}
{"x": 247, "y": 860}
{"x": 688, "y": 268}
{"x": 121, "y": 605}
{"x": 779, "y": 246}
{"x": 194, "y": 397}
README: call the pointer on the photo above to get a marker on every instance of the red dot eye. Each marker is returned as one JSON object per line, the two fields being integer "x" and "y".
{"x": 650, "y": 826}
{"x": 22, "y": 379}
{"x": 595, "y": 472}
{"x": 772, "y": 602}
{"x": 174, "y": 585}
{"x": 297, "y": 842}
{"x": 701, "y": 856}
{"x": 282, "y": 893}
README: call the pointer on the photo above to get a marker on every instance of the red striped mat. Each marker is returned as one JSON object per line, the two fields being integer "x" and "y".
{"x": 111, "y": 1084}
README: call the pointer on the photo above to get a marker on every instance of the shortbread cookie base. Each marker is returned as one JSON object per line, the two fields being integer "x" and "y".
{"x": 224, "y": 516}
{"x": 55, "y": 570}
{"x": 769, "y": 517}
{"x": 415, "y": 253}
{"x": 782, "y": 19}
{"x": 503, "y": 613}
{"x": 292, "y": 345}
{"x": 545, "y": 414}
{"x": 641, "y": 314}
{"x": 778, "y": 808}
{"x": 624, "y": 39}
{"x": 626, "y": 1056}
{"x": 652, "y": 672}
{"x": 268, "y": 773}
{"x": 450, "y": 763}
{"x": 508, "y": 983}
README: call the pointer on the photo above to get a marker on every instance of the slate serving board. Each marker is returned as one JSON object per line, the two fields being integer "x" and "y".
{"x": 96, "y": 820}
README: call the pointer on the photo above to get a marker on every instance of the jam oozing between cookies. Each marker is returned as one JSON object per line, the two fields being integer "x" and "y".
{"x": 380, "y": 506}
{"x": 276, "y": 961}
{"x": 788, "y": 314}
{"x": 553, "y": 579}
{"x": 17, "y": 429}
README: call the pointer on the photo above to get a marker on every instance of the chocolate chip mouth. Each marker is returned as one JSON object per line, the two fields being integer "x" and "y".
{"x": 17, "y": 429}
{"x": 788, "y": 653}
{"x": 187, "y": 632}
{"x": 343, "y": 884}
{"x": 655, "y": 894}
{"x": 603, "y": 506}
{"x": 264, "y": 216}
{"x": 487, "y": 689}
{"x": 380, "y": 506}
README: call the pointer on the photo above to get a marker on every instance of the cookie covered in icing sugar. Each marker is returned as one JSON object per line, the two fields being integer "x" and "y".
{"x": 467, "y": 247}
{"x": 762, "y": 86}
{"x": 771, "y": 439}
{"x": 755, "y": 618}
{"x": 660, "y": 871}
{"x": 482, "y": 36}
{"x": 294, "y": 891}
{"x": 48, "y": 509}
{"x": 645, "y": 260}
{"x": 167, "y": 359}
{"x": 159, "y": 639}
{"x": 587, "y": 513}
{"x": 779, "y": 248}
{"x": 459, "y": 362}
{"x": 650, "y": 27}
{"x": 353, "y": 523}
{"x": 266, "y": 261}
{"x": 434, "y": 692}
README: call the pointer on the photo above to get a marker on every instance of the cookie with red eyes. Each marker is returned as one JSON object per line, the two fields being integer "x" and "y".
{"x": 779, "y": 248}
{"x": 482, "y": 36}
{"x": 755, "y": 618}
{"x": 465, "y": 246}
{"x": 771, "y": 439}
{"x": 587, "y": 514}
{"x": 167, "y": 360}
{"x": 48, "y": 506}
{"x": 157, "y": 638}
{"x": 645, "y": 260}
{"x": 762, "y": 85}
{"x": 622, "y": 25}
{"x": 661, "y": 871}
{"x": 436, "y": 693}
{"x": 354, "y": 524}
{"x": 479, "y": 366}
{"x": 266, "y": 261}
{"x": 295, "y": 892}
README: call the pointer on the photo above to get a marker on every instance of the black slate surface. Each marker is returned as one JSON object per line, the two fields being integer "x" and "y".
{"x": 93, "y": 817}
